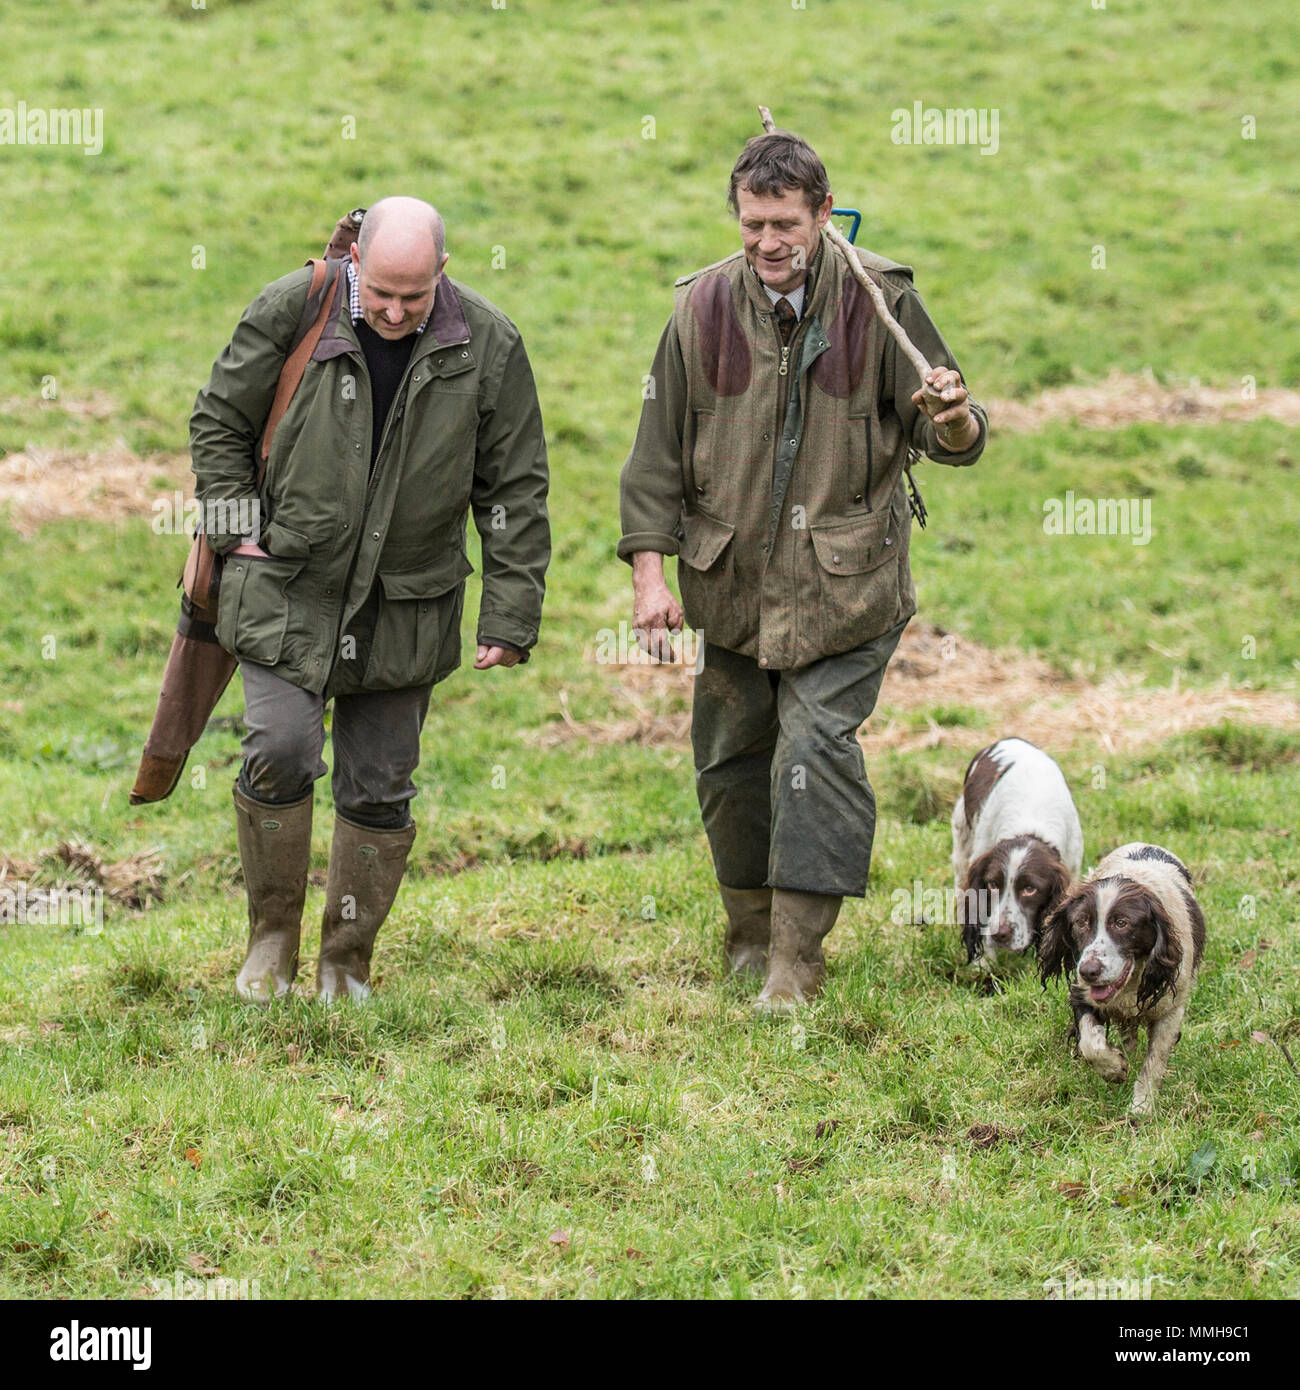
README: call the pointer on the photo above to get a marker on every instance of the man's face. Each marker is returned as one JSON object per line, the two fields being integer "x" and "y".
{"x": 780, "y": 235}
{"x": 397, "y": 285}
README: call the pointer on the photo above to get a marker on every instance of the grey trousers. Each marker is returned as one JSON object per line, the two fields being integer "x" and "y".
{"x": 376, "y": 747}
{"x": 779, "y": 771}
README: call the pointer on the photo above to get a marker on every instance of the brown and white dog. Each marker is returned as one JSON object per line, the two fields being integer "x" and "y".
{"x": 1016, "y": 847}
{"x": 1129, "y": 939}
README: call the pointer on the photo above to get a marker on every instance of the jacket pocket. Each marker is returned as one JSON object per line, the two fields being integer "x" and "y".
{"x": 253, "y": 607}
{"x": 857, "y": 579}
{"x": 417, "y": 628}
{"x": 859, "y": 463}
{"x": 284, "y": 543}
{"x": 716, "y": 606}
{"x": 702, "y": 451}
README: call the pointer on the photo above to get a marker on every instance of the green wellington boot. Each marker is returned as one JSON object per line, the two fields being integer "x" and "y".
{"x": 796, "y": 965}
{"x": 366, "y": 868}
{"x": 749, "y": 929}
{"x": 274, "y": 847}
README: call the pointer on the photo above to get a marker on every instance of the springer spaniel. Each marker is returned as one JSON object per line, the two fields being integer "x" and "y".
{"x": 1016, "y": 847}
{"x": 1129, "y": 939}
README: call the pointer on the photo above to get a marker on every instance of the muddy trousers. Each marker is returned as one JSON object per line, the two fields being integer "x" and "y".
{"x": 376, "y": 739}
{"x": 779, "y": 771}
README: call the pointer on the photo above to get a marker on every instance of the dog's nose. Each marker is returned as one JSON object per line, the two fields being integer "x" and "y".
{"x": 1002, "y": 935}
{"x": 1090, "y": 970}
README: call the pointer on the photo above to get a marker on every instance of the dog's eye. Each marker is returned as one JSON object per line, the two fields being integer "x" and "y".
{"x": 1028, "y": 891}
{"x": 1119, "y": 923}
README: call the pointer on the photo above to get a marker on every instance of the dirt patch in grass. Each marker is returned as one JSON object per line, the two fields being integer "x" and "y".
{"x": 40, "y": 485}
{"x": 650, "y": 704}
{"x": 1129, "y": 400}
{"x": 944, "y": 690}
{"x": 1020, "y": 694}
{"x": 134, "y": 882}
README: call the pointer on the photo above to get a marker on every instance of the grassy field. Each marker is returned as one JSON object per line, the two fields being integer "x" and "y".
{"x": 555, "y": 1092}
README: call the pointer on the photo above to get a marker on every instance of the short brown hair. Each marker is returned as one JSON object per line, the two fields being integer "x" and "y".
{"x": 769, "y": 164}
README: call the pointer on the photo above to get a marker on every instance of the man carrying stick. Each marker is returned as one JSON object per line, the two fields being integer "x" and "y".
{"x": 770, "y": 459}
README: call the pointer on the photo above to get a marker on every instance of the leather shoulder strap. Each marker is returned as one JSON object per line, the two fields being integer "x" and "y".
{"x": 296, "y": 362}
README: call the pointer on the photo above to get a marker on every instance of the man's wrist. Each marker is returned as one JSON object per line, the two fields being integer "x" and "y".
{"x": 958, "y": 443}
{"x": 647, "y": 564}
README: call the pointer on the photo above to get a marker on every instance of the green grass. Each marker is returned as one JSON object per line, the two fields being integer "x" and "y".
{"x": 552, "y": 1047}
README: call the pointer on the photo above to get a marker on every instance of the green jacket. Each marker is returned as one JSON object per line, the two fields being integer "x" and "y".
{"x": 776, "y": 475}
{"x": 366, "y": 584}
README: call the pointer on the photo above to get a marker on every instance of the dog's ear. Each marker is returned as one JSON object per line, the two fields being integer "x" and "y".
{"x": 1058, "y": 886}
{"x": 1056, "y": 953}
{"x": 1161, "y": 970}
{"x": 970, "y": 906}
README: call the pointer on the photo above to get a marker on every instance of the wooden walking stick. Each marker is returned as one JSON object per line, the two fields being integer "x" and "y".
{"x": 837, "y": 238}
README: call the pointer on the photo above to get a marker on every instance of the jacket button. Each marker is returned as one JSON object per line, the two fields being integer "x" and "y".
{"x": 701, "y": 491}
{"x": 440, "y": 361}
{"x": 464, "y": 354}
{"x": 767, "y": 436}
{"x": 762, "y": 661}
{"x": 357, "y": 447}
{"x": 858, "y": 500}
{"x": 328, "y": 592}
{"x": 888, "y": 541}
{"x": 793, "y": 441}
{"x": 835, "y": 559}
{"x": 375, "y": 534}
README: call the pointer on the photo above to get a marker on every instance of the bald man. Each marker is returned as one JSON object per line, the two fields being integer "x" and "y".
{"x": 417, "y": 407}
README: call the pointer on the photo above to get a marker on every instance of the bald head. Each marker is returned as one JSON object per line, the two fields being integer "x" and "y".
{"x": 402, "y": 226}
{"x": 399, "y": 256}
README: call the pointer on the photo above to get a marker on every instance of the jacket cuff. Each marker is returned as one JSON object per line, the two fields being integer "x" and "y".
{"x": 506, "y": 631}
{"x": 215, "y": 511}
{"x": 647, "y": 540}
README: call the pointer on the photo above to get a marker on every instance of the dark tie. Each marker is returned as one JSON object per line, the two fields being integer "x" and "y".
{"x": 786, "y": 319}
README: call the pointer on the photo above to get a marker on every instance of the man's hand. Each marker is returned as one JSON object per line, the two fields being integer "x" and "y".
{"x": 494, "y": 656}
{"x": 956, "y": 427}
{"x": 656, "y": 614}
{"x": 249, "y": 548}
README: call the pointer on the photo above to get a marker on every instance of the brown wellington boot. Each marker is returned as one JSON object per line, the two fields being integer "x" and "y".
{"x": 274, "y": 847}
{"x": 366, "y": 867}
{"x": 749, "y": 929}
{"x": 800, "y": 922}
